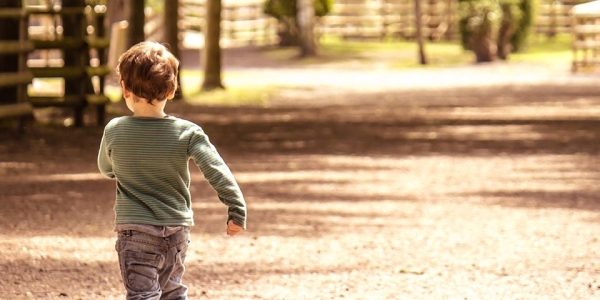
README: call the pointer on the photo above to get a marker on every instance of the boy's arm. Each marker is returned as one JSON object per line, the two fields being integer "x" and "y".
{"x": 104, "y": 159}
{"x": 218, "y": 174}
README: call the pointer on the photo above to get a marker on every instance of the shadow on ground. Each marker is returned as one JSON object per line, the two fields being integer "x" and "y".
{"x": 353, "y": 194}
{"x": 54, "y": 168}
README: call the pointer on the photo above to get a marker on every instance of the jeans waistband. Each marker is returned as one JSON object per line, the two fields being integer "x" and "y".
{"x": 181, "y": 236}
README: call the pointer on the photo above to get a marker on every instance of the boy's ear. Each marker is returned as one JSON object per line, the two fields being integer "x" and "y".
{"x": 171, "y": 95}
{"x": 126, "y": 93}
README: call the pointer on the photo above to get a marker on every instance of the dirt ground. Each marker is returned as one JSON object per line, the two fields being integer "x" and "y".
{"x": 474, "y": 182}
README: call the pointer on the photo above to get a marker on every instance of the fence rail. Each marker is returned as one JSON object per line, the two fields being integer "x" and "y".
{"x": 553, "y": 17}
{"x": 245, "y": 23}
{"x": 368, "y": 19}
{"x": 242, "y": 23}
{"x": 586, "y": 30}
{"x": 64, "y": 43}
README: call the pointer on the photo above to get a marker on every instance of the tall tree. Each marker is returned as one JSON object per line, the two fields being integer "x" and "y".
{"x": 419, "y": 32}
{"x": 137, "y": 19}
{"x": 306, "y": 17}
{"x": 172, "y": 35}
{"x": 211, "y": 55}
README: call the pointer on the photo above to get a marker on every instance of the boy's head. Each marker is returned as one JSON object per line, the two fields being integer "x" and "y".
{"x": 149, "y": 71}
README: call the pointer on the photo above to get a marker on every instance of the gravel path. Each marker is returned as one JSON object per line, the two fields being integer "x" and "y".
{"x": 382, "y": 188}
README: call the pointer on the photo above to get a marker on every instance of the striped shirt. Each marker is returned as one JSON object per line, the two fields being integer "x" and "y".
{"x": 149, "y": 158}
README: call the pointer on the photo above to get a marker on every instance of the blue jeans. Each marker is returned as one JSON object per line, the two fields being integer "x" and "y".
{"x": 152, "y": 267}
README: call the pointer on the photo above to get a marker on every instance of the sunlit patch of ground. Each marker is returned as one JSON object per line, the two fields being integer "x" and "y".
{"x": 476, "y": 193}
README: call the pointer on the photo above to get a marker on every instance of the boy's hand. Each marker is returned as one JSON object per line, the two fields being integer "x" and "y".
{"x": 233, "y": 229}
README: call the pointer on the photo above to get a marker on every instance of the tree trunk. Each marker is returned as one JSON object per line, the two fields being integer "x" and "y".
{"x": 306, "y": 27}
{"x": 9, "y": 63}
{"x": 482, "y": 41}
{"x": 211, "y": 56}
{"x": 484, "y": 48}
{"x": 74, "y": 27}
{"x": 136, "y": 19}
{"x": 172, "y": 35}
{"x": 505, "y": 32}
{"x": 288, "y": 32}
{"x": 419, "y": 27}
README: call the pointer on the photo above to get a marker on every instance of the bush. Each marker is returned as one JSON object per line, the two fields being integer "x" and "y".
{"x": 507, "y": 22}
{"x": 479, "y": 20}
{"x": 285, "y": 11}
{"x": 287, "y": 8}
{"x": 524, "y": 24}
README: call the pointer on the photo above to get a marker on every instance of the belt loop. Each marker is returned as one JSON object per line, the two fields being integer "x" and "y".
{"x": 127, "y": 232}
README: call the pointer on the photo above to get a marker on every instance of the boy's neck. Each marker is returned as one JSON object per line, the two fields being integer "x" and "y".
{"x": 150, "y": 115}
{"x": 147, "y": 110}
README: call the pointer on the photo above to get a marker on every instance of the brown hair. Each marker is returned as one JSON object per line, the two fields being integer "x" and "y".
{"x": 149, "y": 71}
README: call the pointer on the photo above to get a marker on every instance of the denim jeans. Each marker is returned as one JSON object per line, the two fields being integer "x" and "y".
{"x": 152, "y": 267}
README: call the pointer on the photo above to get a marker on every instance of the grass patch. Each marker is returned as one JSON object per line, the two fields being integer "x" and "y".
{"x": 397, "y": 54}
{"x": 438, "y": 54}
{"x": 243, "y": 90}
{"x": 546, "y": 50}
{"x": 400, "y": 54}
{"x": 231, "y": 96}
{"x": 337, "y": 45}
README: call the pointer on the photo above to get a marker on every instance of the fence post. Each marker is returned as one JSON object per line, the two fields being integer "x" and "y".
{"x": 10, "y": 62}
{"x": 73, "y": 27}
{"x": 14, "y": 76}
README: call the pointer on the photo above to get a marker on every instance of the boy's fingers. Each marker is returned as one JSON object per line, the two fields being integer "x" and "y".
{"x": 232, "y": 232}
{"x": 233, "y": 229}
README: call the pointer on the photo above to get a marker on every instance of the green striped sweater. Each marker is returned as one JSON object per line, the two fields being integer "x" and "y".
{"x": 149, "y": 158}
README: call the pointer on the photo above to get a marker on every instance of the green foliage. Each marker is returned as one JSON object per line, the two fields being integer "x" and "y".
{"x": 287, "y": 8}
{"x": 485, "y": 17}
{"x": 157, "y": 5}
{"x": 233, "y": 95}
{"x": 527, "y": 12}
{"x": 478, "y": 17}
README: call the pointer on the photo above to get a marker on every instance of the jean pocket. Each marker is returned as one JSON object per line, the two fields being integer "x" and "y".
{"x": 141, "y": 270}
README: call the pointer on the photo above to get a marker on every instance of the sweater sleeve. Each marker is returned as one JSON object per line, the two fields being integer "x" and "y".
{"x": 105, "y": 164}
{"x": 218, "y": 174}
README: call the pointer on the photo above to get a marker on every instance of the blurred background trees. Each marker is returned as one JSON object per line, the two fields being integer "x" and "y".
{"x": 494, "y": 28}
{"x": 490, "y": 29}
{"x": 286, "y": 12}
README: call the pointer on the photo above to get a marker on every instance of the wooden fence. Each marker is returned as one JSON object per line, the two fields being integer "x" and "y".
{"x": 16, "y": 79}
{"x": 242, "y": 22}
{"x": 380, "y": 19}
{"x": 245, "y": 23}
{"x": 586, "y": 30}
{"x": 553, "y": 17}
{"x": 68, "y": 47}
{"x": 396, "y": 18}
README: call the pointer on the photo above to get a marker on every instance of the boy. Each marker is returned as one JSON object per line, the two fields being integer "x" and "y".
{"x": 148, "y": 155}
